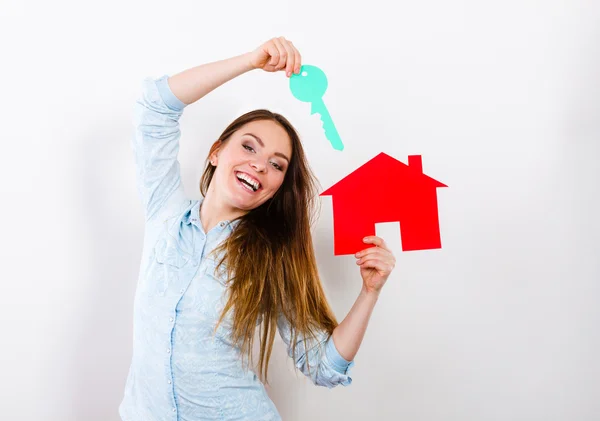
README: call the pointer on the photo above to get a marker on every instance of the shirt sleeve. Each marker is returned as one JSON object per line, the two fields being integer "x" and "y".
{"x": 156, "y": 145}
{"x": 327, "y": 367}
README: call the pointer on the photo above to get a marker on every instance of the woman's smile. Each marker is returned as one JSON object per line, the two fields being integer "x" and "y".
{"x": 245, "y": 185}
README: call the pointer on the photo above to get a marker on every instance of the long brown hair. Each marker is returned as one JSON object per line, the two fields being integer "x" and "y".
{"x": 278, "y": 235}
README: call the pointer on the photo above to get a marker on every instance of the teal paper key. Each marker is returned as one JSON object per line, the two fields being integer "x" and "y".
{"x": 309, "y": 86}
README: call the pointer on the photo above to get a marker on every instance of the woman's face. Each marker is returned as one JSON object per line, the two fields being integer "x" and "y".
{"x": 251, "y": 164}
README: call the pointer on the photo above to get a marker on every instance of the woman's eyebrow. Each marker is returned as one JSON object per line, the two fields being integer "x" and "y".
{"x": 258, "y": 139}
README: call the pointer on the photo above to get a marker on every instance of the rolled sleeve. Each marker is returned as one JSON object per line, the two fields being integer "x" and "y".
{"x": 156, "y": 146}
{"x": 338, "y": 363}
{"x": 174, "y": 103}
{"x": 317, "y": 358}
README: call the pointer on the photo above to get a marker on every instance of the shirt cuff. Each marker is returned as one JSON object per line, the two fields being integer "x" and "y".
{"x": 339, "y": 363}
{"x": 167, "y": 94}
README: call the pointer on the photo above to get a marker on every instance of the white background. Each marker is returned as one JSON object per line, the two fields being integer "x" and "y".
{"x": 501, "y": 99}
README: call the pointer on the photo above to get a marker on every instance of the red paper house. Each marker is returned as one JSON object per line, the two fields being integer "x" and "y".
{"x": 385, "y": 190}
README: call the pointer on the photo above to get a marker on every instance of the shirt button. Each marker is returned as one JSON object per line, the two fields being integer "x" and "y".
{"x": 173, "y": 409}
{"x": 170, "y": 319}
{"x": 181, "y": 290}
{"x": 222, "y": 224}
{"x": 169, "y": 381}
{"x": 168, "y": 350}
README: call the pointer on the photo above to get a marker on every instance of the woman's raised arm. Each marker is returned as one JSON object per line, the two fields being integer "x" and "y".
{"x": 276, "y": 54}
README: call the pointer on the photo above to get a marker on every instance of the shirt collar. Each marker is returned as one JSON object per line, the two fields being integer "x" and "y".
{"x": 193, "y": 217}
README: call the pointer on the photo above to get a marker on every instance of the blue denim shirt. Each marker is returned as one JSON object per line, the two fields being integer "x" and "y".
{"x": 179, "y": 370}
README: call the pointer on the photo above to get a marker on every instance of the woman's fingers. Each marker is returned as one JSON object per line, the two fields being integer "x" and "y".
{"x": 381, "y": 248}
{"x": 378, "y": 241}
{"x": 290, "y": 54}
{"x": 282, "y": 54}
{"x": 297, "y": 59}
{"x": 278, "y": 54}
{"x": 274, "y": 53}
{"x": 289, "y": 57}
{"x": 383, "y": 265}
{"x": 375, "y": 253}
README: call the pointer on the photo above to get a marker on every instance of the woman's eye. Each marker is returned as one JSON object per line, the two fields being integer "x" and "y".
{"x": 249, "y": 148}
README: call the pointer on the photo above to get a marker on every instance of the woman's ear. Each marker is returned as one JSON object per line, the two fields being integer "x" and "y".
{"x": 214, "y": 158}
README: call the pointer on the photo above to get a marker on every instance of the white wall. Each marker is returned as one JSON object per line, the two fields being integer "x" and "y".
{"x": 502, "y": 100}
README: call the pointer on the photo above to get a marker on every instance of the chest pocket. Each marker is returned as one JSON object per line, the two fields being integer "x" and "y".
{"x": 168, "y": 253}
{"x": 166, "y": 266}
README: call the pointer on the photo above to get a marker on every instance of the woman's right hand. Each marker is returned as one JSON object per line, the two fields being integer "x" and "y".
{"x": 276, "y": 54}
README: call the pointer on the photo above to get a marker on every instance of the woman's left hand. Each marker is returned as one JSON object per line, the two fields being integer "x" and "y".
{"x": 376, "y": 264}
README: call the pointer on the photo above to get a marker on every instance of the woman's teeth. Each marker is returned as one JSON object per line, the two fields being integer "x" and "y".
{"x": 248, "y": 182}
{"x": 246, "y": 186}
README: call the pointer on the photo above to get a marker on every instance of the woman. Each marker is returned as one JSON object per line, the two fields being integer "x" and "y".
{"x": 241, "y": 257}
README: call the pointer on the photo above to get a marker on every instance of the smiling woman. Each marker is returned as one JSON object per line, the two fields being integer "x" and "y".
{"x": 239, "y": 257}
{"x": 252, "y": 156}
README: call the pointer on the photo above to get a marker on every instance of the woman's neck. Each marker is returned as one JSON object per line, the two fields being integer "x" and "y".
{"x": 213, "y": 211}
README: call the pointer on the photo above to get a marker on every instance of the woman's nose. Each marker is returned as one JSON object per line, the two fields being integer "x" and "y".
{"x": 258, "y": 166}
